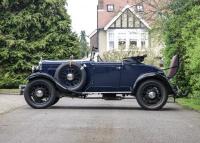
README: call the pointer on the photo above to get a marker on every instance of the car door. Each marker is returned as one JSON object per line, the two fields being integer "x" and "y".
{"x": 129, "y": 73}
{"x": 106, "y": 76}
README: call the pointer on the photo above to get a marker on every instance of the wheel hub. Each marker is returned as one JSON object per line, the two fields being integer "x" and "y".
{"x": 39, "y": 93}
{"x": 152, "y": 95}
{"x": 70, "y": 76}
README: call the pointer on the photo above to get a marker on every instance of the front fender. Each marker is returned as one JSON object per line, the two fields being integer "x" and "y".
{"x": 156, "y": 76}
{"x": 39, "y": 75}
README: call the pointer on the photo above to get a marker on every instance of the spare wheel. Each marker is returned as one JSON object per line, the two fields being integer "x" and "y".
{"x": 71, "y": 75}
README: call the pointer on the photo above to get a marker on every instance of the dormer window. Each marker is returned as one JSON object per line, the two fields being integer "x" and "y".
{"x": 140, "y": 8}
{"x": 110, "y": 7}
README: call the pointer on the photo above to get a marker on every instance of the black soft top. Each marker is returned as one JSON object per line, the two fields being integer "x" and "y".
{"x": 135, "y": 59}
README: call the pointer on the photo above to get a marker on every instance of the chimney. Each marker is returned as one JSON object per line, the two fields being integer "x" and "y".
{"x": 100, "y": 4}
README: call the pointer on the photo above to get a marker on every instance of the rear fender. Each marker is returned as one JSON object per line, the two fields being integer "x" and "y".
{"x": 61, "y": 88}
{"x": 156, "y": 76}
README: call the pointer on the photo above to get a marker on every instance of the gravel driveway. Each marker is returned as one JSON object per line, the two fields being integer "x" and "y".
{"x": 97, "y": 121}
{"x": 10, "y": 102}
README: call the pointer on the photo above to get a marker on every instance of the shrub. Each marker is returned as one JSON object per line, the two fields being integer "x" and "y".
{"x": 30, "y": 30}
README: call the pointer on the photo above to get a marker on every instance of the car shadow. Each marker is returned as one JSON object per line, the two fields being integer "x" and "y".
{"x": 109, "y": 108}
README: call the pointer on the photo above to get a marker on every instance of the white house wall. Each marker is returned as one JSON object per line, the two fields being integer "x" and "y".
{"x": 102, "y": 42}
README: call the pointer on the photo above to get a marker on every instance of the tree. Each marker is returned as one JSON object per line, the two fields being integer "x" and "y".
{"x": 181, "y": 28}
{"x": 83, "y": 44}
{"x": 30, "y": 29}
{"x": 191, "y": 37}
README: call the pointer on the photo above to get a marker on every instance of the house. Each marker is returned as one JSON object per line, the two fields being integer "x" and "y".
{"x": 121, "y": 24}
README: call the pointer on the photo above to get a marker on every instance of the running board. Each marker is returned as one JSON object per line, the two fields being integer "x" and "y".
{"x": 103, "y": 98}
{"x": 112, "y": 92}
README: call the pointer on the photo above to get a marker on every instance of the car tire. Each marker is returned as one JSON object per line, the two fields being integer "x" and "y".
{"x": 151, "y": 95}
{"x": 69, "y": 73}
{"x": 56, "y": 100}
{"x": 40, "y": 94}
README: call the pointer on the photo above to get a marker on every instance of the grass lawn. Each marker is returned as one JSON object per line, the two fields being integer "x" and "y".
{"x": 190, "y": 103}
{"x": 9, "y": 91}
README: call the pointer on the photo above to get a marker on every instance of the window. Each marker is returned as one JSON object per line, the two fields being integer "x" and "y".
{"x": 140, "y": 8}
{"x": 110, "y": 7}
{"x": 143, "y": 45}
{"x": 122, "y": 36}
{"x": 122, "y": 44}
{"x": 111, "y": 36}
{"x": 143, "y": 36}
{"x": 111, "y": 40}
{"x": 122, "y": 40}
{"x": 133, "y": 43}
{"x": 133, "y": 35}
{"x": 111, "y": 45}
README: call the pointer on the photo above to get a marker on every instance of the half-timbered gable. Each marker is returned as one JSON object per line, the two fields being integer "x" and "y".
{"x": 127, "y": 30}
{"x": 120, "y": 25}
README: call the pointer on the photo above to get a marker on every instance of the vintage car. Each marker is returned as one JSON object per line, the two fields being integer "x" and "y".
{"x": 51, "y": 80}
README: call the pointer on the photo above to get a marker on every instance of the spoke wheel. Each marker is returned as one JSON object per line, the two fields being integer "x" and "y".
{"x": 39, "y": 94}
{"x": 151, "y": 95}
{"x": 71, "y": 76}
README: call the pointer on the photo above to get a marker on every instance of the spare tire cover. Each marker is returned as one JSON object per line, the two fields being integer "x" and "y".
{"x": 71, "y": 75}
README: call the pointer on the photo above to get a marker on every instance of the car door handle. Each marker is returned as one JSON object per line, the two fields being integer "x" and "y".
{"x": 119, "y": 68}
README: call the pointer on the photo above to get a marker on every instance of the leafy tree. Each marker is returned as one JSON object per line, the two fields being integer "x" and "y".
{"x": 191, "y": 36}
{"x": 84, "y": 44}
{"x": 30, "y": 29}
{"x": 180, "y": 33}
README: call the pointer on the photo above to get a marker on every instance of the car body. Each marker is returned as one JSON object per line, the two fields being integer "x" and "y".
{"x": 80, "y": 78}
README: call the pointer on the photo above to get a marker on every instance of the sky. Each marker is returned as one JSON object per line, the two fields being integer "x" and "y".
{"x": 83, "y": 15}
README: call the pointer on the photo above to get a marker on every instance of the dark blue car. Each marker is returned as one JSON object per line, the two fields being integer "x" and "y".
{"x": 52, "y": 80}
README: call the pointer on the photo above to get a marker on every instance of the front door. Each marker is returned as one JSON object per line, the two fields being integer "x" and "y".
{"x": 106, "y": 76}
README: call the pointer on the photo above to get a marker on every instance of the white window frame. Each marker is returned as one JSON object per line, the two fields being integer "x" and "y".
{"x": 110, "y": 7}
{"x": 144, "y": 44}
{"x": 128, "y": 37}
{"x": 140, "y": 8}
{"x": 109, "y": 39}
